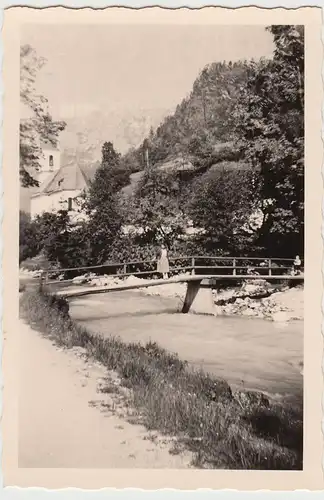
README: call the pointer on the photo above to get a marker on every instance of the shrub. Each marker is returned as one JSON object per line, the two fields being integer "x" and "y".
{"x": 28, "y": 238}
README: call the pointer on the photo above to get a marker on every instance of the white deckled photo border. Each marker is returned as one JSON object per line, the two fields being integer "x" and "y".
{"x": 261, "y": 483}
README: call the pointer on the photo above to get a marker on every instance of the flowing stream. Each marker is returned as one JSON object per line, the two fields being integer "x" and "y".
{"x": 253, "y": 354}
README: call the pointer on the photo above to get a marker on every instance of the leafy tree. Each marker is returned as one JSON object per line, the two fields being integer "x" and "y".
{"x": 52, "y": 230}
{"x": 29, "y": 244}
{"x": 39, "y": 126}
{"x": 109, "y": 178}
{"x": 222, "y": 205}
{"x": 102, "y": 203}
{"x": 157, "y": 209}
{"x": 62, "y": 242}
{"x": 132, "y": 161}
{"x": 270, "y": 131}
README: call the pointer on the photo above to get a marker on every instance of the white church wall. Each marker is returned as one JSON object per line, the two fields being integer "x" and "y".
{"x": 53, "y": 202}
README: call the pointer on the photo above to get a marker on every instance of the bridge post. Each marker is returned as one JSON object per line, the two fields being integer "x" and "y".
{"x": 193, "y": 266}
{"x": 199, "y": 298}
{"x": 192, "y": 290}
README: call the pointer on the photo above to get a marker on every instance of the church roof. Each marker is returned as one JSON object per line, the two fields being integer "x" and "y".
{"x": 67, "y": 178}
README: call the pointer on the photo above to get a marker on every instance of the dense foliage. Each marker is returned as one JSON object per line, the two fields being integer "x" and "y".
{"x": 101, "y": 204}
{"x": 157, "y": 211}
{"x": 222, "y": 204}
{"x": 269, "y": 122}
{"x": 63, "y": 244}
{"x": 28, "y": 240}
{"x": 55, "y": 237}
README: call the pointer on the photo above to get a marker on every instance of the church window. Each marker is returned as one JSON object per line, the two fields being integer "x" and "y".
{"x": 51, "y": 161}
{"x": 69, "y": 204}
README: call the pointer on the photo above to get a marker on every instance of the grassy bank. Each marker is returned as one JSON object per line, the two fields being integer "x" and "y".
{"x": 224, "y": 430}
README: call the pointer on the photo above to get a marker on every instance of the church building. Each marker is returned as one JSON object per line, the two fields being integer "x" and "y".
{"x": 59, "y": 186}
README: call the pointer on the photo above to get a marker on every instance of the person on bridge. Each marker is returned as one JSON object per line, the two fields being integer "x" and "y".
{"x": 163, "y": 263}
{"x": 297, "y": 264}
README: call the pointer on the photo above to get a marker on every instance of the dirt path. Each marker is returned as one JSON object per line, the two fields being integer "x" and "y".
{"x": 64, "y": 422}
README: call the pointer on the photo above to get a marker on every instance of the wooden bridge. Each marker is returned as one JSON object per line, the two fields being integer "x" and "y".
{"x": 203, "y": 274}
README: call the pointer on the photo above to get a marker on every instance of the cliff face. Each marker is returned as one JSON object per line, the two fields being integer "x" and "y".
{"x": 125, "y": 129}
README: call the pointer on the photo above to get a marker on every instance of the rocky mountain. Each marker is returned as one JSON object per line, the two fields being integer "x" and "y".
{"x": 203, "y": 122}
{"x": 84, "y": 136}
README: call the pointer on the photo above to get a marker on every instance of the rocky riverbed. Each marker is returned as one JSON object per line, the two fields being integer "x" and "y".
{"x": 279, "y": 306}
{"x": 255, "y": 298}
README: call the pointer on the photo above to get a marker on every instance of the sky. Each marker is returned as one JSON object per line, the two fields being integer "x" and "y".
{"x": 109, "y": 67}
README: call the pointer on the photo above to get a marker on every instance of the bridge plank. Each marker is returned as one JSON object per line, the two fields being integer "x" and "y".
{"x": 177, "y": 279}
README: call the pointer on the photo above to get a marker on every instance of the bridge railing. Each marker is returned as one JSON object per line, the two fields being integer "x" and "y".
{"x": 197, "y": 264}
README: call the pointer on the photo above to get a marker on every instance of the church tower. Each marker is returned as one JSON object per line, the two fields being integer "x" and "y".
{"x": 50, "y": 161}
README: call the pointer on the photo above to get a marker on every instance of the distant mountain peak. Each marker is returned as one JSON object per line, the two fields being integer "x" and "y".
{"x": 84, "y": 136}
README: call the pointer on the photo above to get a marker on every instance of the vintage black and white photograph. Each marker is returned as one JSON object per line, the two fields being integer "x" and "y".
{"x": 161, "y": 246}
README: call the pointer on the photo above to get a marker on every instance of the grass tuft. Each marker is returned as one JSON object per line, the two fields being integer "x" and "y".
{"x": 243, "y": 430}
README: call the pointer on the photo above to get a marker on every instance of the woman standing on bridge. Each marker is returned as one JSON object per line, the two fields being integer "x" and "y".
{"x": 163, "y": 263}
